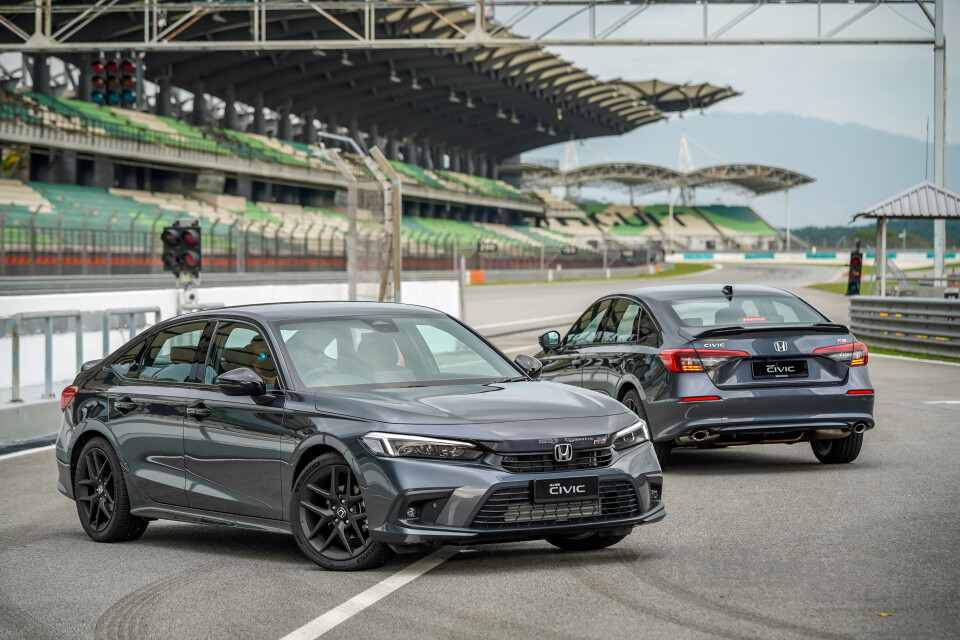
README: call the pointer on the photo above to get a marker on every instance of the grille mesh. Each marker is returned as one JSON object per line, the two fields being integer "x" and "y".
{"x": 544, "y": 462}
{"x": 514, "y": 507}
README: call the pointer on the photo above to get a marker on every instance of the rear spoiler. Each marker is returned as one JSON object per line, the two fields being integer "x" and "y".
{"x": 822, "y": 327}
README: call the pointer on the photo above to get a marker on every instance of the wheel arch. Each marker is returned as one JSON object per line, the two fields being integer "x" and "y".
{"x": 629, "y": 383}
{"x": 310, "y": 449}
{"x": 86, "y": 433}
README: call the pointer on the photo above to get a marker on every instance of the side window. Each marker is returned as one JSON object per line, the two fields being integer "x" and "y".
{"x": 647, "y": 330}
{"x": 171, "y": 355}
{"x": 620, "y": 323}
{"x": 127, "y": 364}
{"x": 584, "y": 331}
{"x": 237, "y": 345}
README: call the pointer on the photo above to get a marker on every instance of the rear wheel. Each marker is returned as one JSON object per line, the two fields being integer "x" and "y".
{"x": 329, "y": 518}
{"x": 103, "y": 503}
{"x": 838, "y": 451}
{"x": 631, "y": 400}
{"x": 584, "y": 541}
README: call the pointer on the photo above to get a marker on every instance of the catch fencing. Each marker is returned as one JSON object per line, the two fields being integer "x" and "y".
{"x": 919, "y": 325}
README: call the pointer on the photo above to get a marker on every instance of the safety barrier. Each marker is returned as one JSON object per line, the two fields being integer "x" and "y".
{"x": 48, "y": 317}
{"x": 919, "y": 325}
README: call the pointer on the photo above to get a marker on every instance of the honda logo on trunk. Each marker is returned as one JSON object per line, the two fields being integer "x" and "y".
{"x": 780, "y": 345}
{"x": 563, "y": 452}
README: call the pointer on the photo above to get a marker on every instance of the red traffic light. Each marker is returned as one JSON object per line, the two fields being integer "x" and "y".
{"x": 113, "y": 66}
{"x": 191, "y": 237}
{"x": 190, "y": 259}
{"x": 855, "y": 261}
{"x": 129, "y": 66}
{"x": 98, "y": 66}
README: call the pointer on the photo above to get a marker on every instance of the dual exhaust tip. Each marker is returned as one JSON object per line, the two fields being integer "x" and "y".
{"x": 705, "y": 436}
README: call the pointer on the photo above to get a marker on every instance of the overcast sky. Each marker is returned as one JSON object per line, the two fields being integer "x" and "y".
{"x": 884, "y": 87}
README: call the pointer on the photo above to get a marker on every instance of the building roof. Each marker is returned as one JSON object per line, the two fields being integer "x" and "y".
{"x": 667, "y": 96}
{"x": 925, "y": 200}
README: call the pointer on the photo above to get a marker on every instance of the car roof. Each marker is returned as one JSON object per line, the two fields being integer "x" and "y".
{"x": 684, "y": 291}
{"x": 278, "y": 311}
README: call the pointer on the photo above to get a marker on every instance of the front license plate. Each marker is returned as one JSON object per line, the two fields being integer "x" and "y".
{"x": 566, "y": 489}
{"x": 780, "y": 369}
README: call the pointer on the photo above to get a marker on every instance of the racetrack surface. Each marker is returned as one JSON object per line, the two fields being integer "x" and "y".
{"x": 759, "y": 542}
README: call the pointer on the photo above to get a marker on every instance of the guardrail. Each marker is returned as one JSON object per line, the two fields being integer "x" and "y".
{"x": 48, "y": 317}
{"x": 920, "y": 325}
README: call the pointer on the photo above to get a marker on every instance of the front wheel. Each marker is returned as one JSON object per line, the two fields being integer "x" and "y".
{"x": 838, "y": 451}
{"x": 584, "y": 541}
{"x": 631, "y": 400}
{"x": 329, "y": 518}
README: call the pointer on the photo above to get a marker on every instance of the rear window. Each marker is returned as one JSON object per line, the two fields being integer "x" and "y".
{"x": 744, "y": 311}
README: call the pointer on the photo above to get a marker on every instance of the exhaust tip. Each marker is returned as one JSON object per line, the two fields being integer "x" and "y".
{"x": 859, "y": 427}
{"x": 700, "y": 435}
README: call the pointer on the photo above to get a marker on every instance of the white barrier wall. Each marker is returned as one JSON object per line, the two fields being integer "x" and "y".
{"x": 443, "y": 295}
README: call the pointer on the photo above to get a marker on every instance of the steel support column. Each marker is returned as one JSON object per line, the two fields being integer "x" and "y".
{"x": 939, "y": 134}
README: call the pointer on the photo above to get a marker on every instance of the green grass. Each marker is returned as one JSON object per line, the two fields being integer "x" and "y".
{"x": 680, "y": 269}
{"x": 909, "y": 354}
{"x": 839, "y": 288}
{"x": 949, "y": 265}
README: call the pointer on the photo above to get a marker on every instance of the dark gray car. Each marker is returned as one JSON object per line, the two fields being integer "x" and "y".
{"x": 718, "y": 366}
{"x": 358, "y": 427}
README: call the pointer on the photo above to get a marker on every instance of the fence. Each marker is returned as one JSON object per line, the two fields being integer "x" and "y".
{"x": 102, "y": 243}
{"x": 919, "y": 325}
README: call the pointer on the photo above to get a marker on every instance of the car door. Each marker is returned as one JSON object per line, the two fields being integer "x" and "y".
{"x": 612, "y": 344}
{"x": 147, "y": 407}
{"x": 565, "y": 363}
{"x": 232, "y": 443}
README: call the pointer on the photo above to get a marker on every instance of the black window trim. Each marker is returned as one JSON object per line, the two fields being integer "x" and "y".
{"x": 155, "y": 331}
{"x": 267, "y": 336}
{"x": 644, "y": 309}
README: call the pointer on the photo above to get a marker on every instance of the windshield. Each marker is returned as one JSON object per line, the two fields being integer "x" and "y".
{"x": 381, "y": 351}
{"x": 744, "y": 311}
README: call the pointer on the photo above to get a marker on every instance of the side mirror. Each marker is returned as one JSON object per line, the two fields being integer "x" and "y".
{"x": 241, "y": 382}
{"x": 549, "y": 340}
{"x": 530, "y": 365}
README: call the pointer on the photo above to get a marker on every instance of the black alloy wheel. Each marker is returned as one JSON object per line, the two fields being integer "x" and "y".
{"x": 103, "y": 504}
{"x": 330, "y": 518}
{"x": 631, "y": 400}
{"x": 839, "y": 451}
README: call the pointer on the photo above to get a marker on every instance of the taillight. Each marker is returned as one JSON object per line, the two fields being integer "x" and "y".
{"x": 699, "y": 399}
{"x": 66, "y": 396}
{"x": 853, "y": 354}
{"x": 860, "y": 392}
{"x": 691, "y": 360}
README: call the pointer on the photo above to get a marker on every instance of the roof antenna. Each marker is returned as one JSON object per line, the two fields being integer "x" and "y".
{"x": 728, "y": 291}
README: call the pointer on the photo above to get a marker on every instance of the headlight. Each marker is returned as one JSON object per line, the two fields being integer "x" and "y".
{"x": 400, "y": 446}
{"x": 633, "y": 435}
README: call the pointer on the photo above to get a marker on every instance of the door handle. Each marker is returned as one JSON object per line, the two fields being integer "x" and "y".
{"x": 198, "y": 411}
{"x": 125, "y": 405}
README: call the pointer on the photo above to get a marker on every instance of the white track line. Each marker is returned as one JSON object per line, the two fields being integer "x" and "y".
{"x": 17, "y": 454}
{"x": 883, "y": 355}
{"x": 524, "y": 348}
{"x": 319, "y": 626}
{"x": 942, "y": 402}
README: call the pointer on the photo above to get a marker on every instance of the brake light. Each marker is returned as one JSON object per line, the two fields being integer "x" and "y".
{"x": 699, "y": 398}
{"x": 860, "y": 392}
{"x": 66, "y": 396}
{"x": 853, "y": 354}
{"x": 753, "y": 319}
{"x": 692, "y": 361}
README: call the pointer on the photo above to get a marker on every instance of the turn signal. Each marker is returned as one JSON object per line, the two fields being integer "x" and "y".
{"x": 693, "y": 360}
{"x": 66, "y": 396}
{"x": 853, "y": 354}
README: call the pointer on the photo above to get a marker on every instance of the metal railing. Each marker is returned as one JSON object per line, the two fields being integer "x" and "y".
{"x": 920, "y": 325}
{"x": 16, "y": 331}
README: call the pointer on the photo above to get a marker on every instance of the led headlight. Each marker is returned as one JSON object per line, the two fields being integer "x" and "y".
{"x": 633, "y": 435}
{"x": 402, "y": 446}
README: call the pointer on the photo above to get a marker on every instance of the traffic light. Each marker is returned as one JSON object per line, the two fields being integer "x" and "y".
{"x": 115, "y": 82}
{"x": 182, "y": 248}
{"x": 128, "y": 82}
{"x": 853, "y": 275}
{"x": 98, "y": 81}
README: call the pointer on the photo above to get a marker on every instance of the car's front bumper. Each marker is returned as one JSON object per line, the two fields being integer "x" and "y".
{"x": 467, "y": 503}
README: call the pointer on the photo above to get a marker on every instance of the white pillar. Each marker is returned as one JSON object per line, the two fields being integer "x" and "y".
{"x": 939, "y": 133}
{"x": 670, "y": 215}
{"x": 787, "y": 196}
{"x": 880, "y": 256}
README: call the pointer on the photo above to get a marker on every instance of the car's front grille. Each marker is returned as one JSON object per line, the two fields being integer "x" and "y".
{"x": 545, "y": 462}
{"x": 514, "y": 507}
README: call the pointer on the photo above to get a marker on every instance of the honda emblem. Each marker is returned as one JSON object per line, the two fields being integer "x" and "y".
{"x": 563, "y": 452}
{"x": 780, "y": 345}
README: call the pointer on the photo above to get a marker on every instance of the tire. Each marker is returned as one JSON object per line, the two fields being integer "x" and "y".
{"x": 631, "y": 399}
{"x": 329, "y": 523}
{"x": 584, "y": 542}
{"x": 839, "y": 451}
{"x": 99, "y": 489}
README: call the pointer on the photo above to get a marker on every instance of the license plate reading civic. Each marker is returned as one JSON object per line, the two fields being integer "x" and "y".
{"x": 780, "y": 369}
{"x": 566, "y": 489}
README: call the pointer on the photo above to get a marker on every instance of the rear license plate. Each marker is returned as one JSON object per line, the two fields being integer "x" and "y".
{"x": 566, "y": 489}
{"x": 780, "y": 369}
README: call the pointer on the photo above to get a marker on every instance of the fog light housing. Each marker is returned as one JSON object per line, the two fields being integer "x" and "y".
{"x": 412, "y": 512}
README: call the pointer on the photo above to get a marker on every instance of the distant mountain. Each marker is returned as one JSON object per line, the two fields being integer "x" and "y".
{"x": 855, "y": 166}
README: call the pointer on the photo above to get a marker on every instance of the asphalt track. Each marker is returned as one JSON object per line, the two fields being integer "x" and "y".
{"x": 760, "y": 542}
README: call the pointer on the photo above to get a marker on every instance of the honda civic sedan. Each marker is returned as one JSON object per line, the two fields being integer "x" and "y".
{"x": 711, "y": 366}
{"x": 360, "y": 428}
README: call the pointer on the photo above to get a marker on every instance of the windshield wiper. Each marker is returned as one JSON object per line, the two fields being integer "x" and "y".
{"x": 517, "y": 379}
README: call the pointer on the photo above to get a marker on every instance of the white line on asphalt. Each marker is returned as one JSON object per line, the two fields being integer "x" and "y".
{"x": 883, "y": 355}
{"x": 942, "y": 402}
{"x": 524, "y": 348}
{"x": 497, "y": 325}
{"x": 17, "y": 454}
{"x": 319, "y": 626}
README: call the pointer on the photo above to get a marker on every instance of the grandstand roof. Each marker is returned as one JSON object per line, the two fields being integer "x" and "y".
{"x": 755, "y": 178}
{"x": 925, "y": 200}
{"x": 494, "y": 100}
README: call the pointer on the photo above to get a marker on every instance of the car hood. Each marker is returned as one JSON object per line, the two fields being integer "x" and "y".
{"x": 507, "y": 402}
